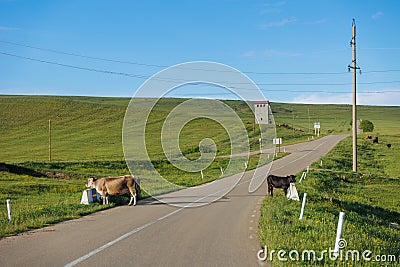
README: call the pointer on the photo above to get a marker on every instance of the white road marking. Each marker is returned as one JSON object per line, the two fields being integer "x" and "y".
{"x": 109, "y": 244}
{"x": 122, "y": 237}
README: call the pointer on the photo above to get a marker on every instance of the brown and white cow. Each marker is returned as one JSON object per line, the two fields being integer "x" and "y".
{"x": 121, "y": 185}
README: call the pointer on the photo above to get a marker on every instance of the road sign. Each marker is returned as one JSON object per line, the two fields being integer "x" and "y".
{"x": 277, "y": 141}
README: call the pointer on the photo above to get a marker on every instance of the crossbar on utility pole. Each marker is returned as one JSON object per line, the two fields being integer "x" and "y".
{"x": 354, "y": 117}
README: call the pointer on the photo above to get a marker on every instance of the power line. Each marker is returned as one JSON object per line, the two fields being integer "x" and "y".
{"x": 84, "y": 56}
{"x": 166, "y": 66}
{"x": 324, "y": 84}
{"x": 162, "y": 66}
{"x": 380, "y": 71}
{"x": 75, "y": 67}
{"x": 304, "y": 91}
{"x": 380, "y": 48}
{"x": 166, "y": 79}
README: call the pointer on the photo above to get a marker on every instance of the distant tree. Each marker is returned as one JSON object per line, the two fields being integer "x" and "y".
{"x": 367, "y": 126}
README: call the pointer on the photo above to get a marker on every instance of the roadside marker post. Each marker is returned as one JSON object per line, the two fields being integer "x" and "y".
{"x": 338, "y": 244}
{"x": 89, "y": 196}
{"x": 222, "y": 171}
{"x": 277, "y": 141}
{"x": 202, "y": 176}
{"x": 303, "y": 206}
{"x": 303, "y": 176}
{"x": 9, "y": 209}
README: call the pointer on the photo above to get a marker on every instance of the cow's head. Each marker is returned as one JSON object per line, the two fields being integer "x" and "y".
{"x": 292, "y": 178}
{"x": 90, "y": 182}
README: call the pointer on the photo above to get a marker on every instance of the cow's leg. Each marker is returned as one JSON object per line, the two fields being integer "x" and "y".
{"x": 285, "y": 190}
{"x": 133, "y": 193}
{"x": 137, "y": 189}
{"x": 133, "y": 199}
{"x": 105, "y": 198}
{"x": 271, "y": 190}
{"x": 268, "y": 188}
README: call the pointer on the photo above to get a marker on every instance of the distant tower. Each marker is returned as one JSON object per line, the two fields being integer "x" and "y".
{"x": 262, "y": 112}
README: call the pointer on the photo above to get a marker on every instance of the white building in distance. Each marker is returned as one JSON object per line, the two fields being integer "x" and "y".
{"x": 262, "y": 112}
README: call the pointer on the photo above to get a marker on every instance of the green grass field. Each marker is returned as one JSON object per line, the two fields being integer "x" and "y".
{"x": 86, "y": 140}
{"x": 369, "y": 199}
{"x": 89, "y": 128}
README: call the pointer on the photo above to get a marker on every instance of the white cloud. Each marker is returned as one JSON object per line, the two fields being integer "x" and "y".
{"x": 378, "y": 98}
{"x": 272, "y": 7}
{"x": 320, "y": 21}
{"x": 323, "y": 99}
{"x": 384, "y": 98}
{"x": 3, "y": 28}
{"x": 280, "y": 23}
{"x": 377, "y": 15}
{"x": 250, "y": 53}
{"x": 272, "y": 53}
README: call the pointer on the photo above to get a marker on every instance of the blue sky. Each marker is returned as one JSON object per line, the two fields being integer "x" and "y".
{"x": 296, "y": 51}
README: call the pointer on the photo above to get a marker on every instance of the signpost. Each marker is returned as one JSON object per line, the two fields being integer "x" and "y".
{"x": 277, "y": 141}
{"x": 317, "y": 126}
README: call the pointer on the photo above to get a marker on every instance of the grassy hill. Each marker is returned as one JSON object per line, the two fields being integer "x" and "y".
{"x": 82, "y": 128}
{"x": 89, "y": 128}
{"x": 86, "y": 140}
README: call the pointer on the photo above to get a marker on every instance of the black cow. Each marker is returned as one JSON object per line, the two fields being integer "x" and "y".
{"x": 279, "y": 182}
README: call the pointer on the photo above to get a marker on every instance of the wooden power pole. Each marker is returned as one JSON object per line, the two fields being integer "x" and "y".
{"x": 50, "y": 140}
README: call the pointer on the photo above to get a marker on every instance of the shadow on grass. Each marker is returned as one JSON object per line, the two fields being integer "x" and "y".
{"x": 21, "y": 170}
{"x": 370, "y": 214}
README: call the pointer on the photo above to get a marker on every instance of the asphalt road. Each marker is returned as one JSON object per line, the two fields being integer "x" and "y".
{"x": 223, "y": 233}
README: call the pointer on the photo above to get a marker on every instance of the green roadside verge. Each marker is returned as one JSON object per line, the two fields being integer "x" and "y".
{"x": 369, "y": 199}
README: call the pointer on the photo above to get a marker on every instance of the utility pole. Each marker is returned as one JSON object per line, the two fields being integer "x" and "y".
{"x": 50, "y": 140}
{"x": 293, "y": 123}
{"x": 354, "y": 68}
